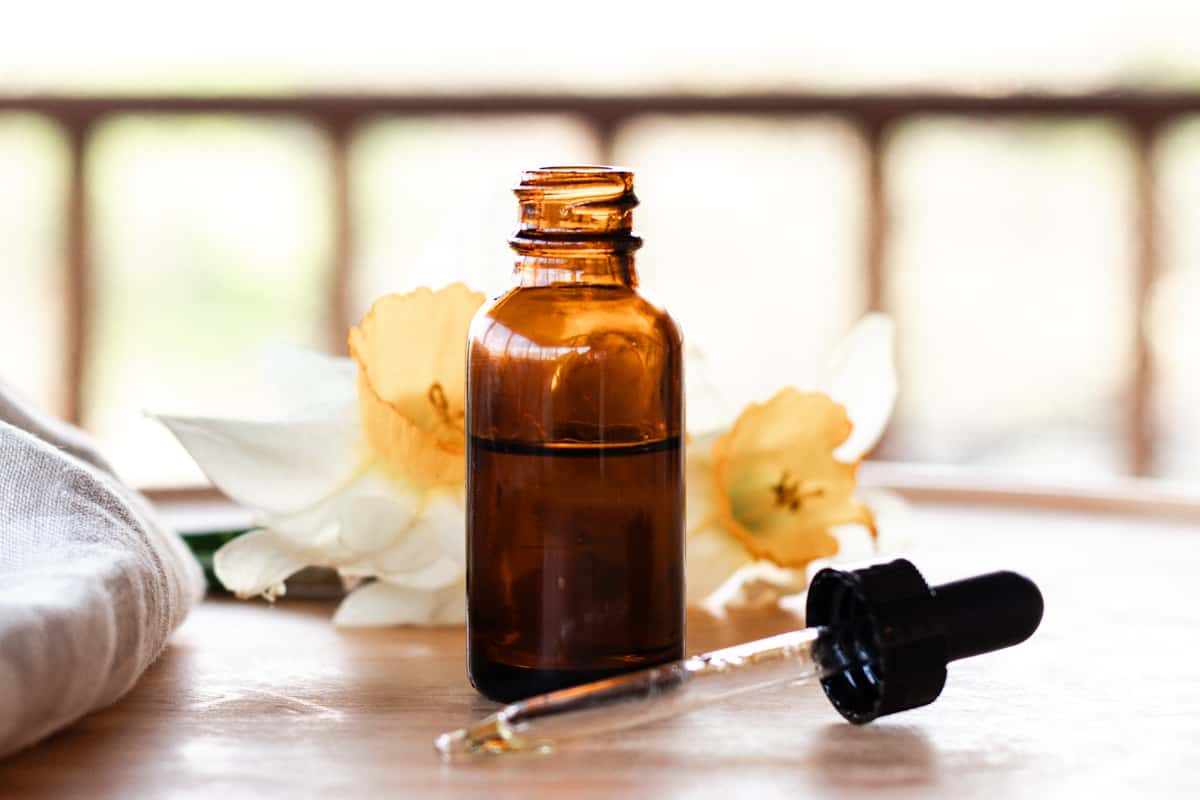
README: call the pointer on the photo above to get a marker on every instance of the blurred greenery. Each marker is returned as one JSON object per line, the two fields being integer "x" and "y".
{"x": 204, "y": 546}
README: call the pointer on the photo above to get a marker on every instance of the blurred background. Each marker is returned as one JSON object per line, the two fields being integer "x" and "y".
{"x": 1017, "y": 184}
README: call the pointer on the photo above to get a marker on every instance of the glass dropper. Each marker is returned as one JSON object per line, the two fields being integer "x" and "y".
{"x": 879, "y": 643}
{"x": 540, "y": 723}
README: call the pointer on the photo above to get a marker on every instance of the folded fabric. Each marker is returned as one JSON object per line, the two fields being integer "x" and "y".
{"x": 91, "y": 582}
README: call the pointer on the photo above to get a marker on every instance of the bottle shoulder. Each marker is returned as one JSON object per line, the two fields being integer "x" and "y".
{"x": 563, "y": 315}
{"x": 577, "y": 364}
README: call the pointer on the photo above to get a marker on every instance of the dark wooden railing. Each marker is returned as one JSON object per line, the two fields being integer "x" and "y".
{"x": 1144, "y": 116}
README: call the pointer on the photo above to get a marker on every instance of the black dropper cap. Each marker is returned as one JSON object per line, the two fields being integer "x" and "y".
{"x": 890, "y": 636}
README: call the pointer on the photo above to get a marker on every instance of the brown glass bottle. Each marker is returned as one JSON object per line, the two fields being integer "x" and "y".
{"x": 575, "y": 493}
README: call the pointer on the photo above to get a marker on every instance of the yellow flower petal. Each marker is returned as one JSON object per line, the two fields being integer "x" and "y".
{"x": 779, "y": 487}
{"x": 410, "y": 351}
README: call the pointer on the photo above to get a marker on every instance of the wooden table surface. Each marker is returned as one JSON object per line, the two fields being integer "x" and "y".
{"x": 1104, "y": 701}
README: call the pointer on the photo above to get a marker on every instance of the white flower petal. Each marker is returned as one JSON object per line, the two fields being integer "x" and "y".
{"x": 759, "y": 584}
{"x": 445, "y": 517}
{"x": 308, "y": 384}
{"x": 713, "y": 557}
{"x": 436, "y": 575}
{"x": 855, "y": 543}
{"x": 314, "y": 528}
{"x": 429, "y": 553}
{"x": 862, "y": 378}
{"x": 371, "y": 509}
{"x": 894, "y": 518}
{"x": 279, "y": 468}
{"x": 257, "y": 563}
{"x": 409, "y": 558}
{"x": 375, "y": 513}
{"x": 373, "y": 528}
{"x": 381, "y": 603}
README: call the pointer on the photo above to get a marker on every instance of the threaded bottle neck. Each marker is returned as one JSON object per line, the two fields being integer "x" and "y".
{"x": 576, "y": 225}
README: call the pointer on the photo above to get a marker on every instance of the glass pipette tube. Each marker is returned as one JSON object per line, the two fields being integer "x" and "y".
{"x": 540, "y": 723}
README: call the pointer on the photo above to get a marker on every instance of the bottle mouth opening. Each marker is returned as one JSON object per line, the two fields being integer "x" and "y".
{"x": 584, "y": 199}
{"x": 582, "y": 181}
{"x": 566, "y": 171}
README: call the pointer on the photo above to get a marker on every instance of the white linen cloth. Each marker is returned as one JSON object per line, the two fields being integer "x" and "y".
{"x": 91, "y": 582}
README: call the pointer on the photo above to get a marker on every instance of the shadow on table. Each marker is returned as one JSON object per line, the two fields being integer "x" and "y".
{"x": 880, "y": 755}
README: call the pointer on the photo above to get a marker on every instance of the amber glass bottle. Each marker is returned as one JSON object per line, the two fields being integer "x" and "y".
{"x": 574, "y": 453}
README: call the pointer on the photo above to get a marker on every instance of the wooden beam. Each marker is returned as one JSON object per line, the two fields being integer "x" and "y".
{"x": 77, "y": 283}
{"x": 877, "y": 105}
{"x": 341, "y": 277}
{"x": 1140, "y": 421}
{"x": 934, "y": 483}
{"x": 876, "y": 223}
{"x": 605, "y": 130}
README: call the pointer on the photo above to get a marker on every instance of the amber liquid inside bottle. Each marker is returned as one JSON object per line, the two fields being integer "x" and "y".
{"x": 574, "y": 453}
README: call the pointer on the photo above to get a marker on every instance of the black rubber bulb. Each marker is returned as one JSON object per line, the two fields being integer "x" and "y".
{"x": 888, "y": 636}
{"x": 988, "y": 612}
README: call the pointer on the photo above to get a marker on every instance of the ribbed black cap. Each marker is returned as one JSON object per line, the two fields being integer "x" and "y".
{"x": 889, "y": 636}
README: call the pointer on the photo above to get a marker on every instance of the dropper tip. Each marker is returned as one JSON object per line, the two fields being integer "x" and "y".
{"x": 453, "y": 744}
{"x": 491, "y": 737}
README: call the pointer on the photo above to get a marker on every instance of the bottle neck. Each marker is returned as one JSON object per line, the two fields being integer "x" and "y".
{"x": 590, "y": 270}
{"x": 576, "y": 227}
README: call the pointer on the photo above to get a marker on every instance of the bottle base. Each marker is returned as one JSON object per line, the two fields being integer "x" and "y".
{"x": 505, "y": 683}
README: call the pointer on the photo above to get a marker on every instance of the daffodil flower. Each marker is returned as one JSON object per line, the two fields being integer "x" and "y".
{"x": 363, "y": 471}
{"x": 780, "y": 483}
